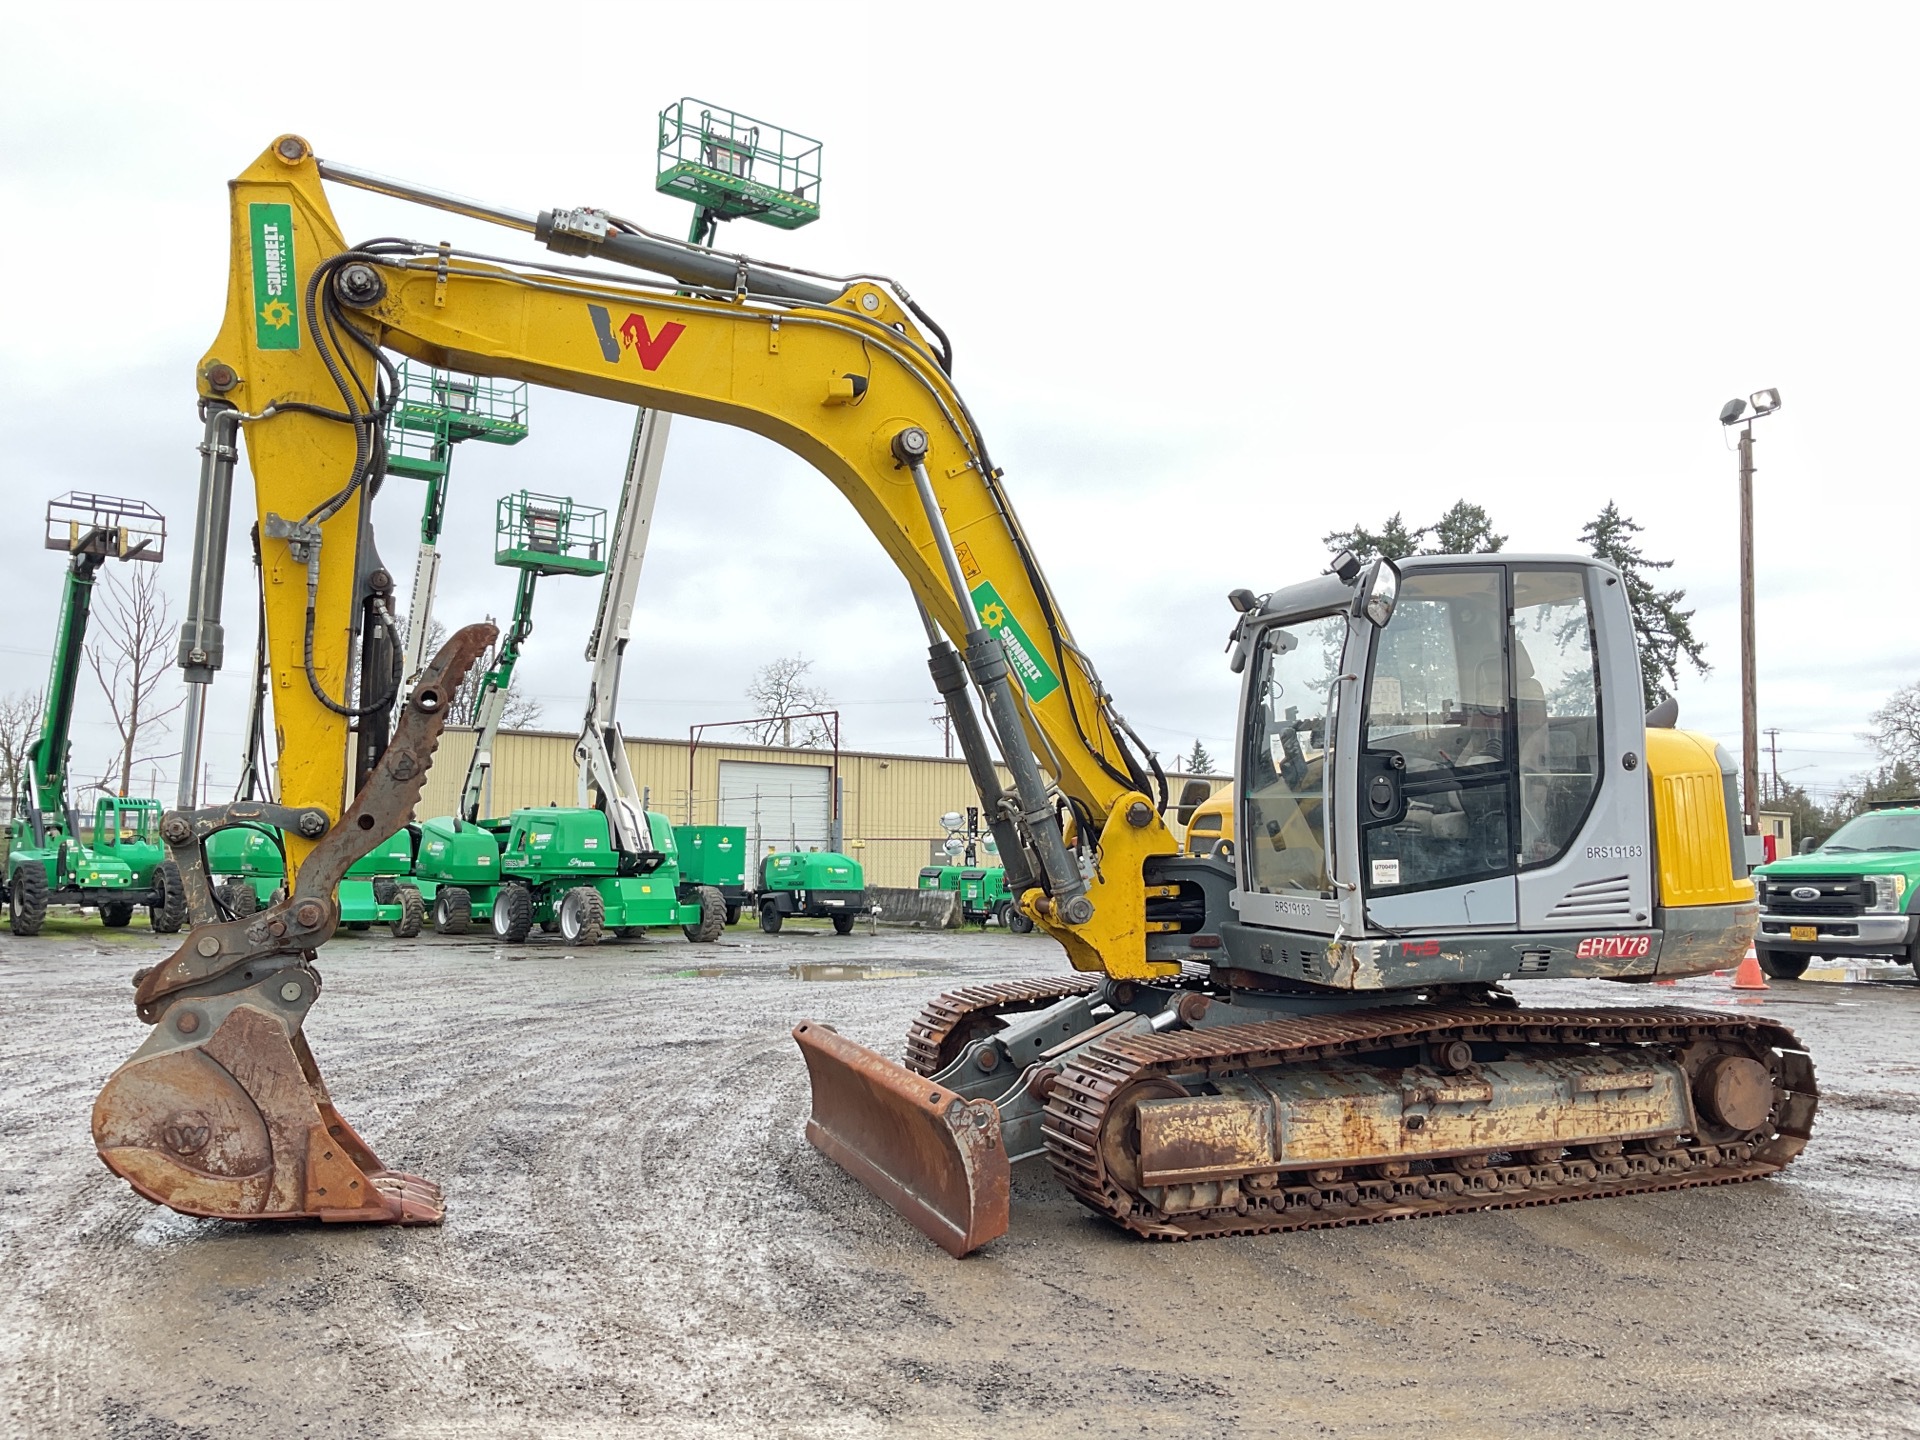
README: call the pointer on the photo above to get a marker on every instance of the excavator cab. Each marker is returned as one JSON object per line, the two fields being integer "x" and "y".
{"x": 1450, "y": 749}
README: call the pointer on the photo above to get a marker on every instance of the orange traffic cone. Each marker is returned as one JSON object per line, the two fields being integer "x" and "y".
{"x": 1748, "y": 976}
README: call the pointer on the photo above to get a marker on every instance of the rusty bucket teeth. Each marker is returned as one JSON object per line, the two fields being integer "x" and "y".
{"x": 931, "y": 1154}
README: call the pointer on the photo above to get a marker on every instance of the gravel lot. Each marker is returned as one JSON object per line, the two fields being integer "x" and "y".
{"x": 640, "y": 1242}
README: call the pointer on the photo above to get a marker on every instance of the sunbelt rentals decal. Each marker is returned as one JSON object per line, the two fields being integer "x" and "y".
{"x": 1036, "y": 676}
{"x": 276, "y": 323}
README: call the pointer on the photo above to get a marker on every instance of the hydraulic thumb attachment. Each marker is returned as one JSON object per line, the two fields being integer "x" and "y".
{"x": 222, "y": 1112}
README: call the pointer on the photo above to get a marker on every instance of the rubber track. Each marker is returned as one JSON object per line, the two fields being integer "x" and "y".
{"x": 946, "y": 1013}
{"x": 1095, "y": 1076}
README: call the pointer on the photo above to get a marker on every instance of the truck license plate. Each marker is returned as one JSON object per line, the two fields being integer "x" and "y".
{"x": 1803, "y": 932}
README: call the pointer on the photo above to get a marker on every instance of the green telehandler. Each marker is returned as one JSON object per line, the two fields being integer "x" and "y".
{"x": 125, "y": 868}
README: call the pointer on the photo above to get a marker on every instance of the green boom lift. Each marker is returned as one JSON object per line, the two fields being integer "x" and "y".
{"x": 126, "y": 867}
{"x": 457, "y": 865}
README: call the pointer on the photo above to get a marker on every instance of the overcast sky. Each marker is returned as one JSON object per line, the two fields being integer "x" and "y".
{"x": 1219, "y": 280}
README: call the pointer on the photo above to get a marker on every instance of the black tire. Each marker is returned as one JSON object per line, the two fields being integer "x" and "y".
{"x": 452, "y": 911}
{"x": 171, "y": 913}
{"x": 583, "y": 916}
{"x": 1017, "y": 920}
{"x": 116, "y": 914}
{"x": 512, "y": 914}
{"x": 27, "y": 898}
{"x": 733, "y": 914}
{"x": 1002, "y": 912}
{"x": 238, "y": 897}
{"x": 413, "y": 912}
{"x": 713, "y": 916}
{"x": 1782, "y": 964}
{"x": 770, "y": 917}
{"x": 843, "y": 924}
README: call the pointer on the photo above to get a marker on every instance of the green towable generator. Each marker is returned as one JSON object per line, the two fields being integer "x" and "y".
{"x": 716, "y": 855}
{"x": 561, "y": 868}
{"x": 819, "y": 884}
{"x": 983, "y": 894}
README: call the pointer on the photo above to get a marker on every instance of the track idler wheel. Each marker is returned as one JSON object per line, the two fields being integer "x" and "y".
{"x": 222, "y": 1113}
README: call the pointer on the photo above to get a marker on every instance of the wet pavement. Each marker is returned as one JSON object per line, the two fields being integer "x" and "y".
{"x": 640, "y": 1242}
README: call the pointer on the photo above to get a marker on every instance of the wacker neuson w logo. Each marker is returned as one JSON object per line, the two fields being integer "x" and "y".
{"x": 276, "y": 325}
{"x": 1036, "y": 676}
{"x": 635, "y": 335}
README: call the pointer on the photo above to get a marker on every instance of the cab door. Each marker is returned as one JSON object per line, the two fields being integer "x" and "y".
{"x": 1435, "y": 799}
{"x": 1584, "y": 858}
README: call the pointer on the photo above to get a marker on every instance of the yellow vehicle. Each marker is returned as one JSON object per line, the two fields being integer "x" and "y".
{"x": 1440, "y": 790}
{"x": 1210, "y": 826}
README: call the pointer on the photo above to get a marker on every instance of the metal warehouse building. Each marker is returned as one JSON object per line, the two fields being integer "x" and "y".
{"x": 888, "y": 806}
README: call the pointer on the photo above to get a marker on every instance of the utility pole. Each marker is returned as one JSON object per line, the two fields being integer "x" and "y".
{"x": 1749, "y": 686}
{"x": 1765, "y": 402}
{"x": 1773, "y": 746}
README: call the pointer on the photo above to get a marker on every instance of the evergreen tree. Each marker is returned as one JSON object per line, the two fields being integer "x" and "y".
{"x": 1393, "y": 540}
{"x": 1663, "y": 629}
{"x": 1466, "y": 529}
{"x": 1198, "y": 761}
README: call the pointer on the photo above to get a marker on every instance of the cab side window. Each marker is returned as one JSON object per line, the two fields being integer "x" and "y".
{"x": 1556, "y": 709}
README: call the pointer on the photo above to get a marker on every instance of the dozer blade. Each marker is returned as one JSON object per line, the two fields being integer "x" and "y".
{"x": 222, "y": 1112}
{"x": 931, "y": 1154}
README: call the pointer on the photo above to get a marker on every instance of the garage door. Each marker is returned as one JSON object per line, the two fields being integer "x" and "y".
{"x": 787, "y": 807}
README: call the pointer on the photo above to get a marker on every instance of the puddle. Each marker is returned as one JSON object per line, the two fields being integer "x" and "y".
{"x": 851, "y": 972}
{"x": 704, "y": 972}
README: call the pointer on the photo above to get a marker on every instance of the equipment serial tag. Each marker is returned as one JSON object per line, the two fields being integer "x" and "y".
{"x": 1036, "y": 676}
{"x": 276, "y": 322}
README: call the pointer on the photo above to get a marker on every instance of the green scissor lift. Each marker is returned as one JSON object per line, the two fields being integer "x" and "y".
{"x": 457, "y": 864}
{"x": 125, "y": 868}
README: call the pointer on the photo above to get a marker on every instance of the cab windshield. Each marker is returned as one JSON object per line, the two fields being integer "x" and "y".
{"x": 1876, "y": 832}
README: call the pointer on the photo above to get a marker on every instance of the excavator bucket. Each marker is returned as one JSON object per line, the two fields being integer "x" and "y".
{"x": 240, "y": 1127}
{"x": 222, "y": 1111}
{"x": 932, "y": 1154}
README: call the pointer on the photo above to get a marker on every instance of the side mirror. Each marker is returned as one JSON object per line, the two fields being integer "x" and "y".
{"x": 1193, "y": 795}
{"x": 1806, "y": 846}
{"x": 1374, "y": 596}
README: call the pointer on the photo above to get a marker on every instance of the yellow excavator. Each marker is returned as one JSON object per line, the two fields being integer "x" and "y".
{"x": 1444, "y": 784}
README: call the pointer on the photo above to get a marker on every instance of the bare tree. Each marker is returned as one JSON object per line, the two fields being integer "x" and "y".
{"x": 20, "y": 715}
{"x": 132, "y": 653}
{"x": 779, "y": 691}
{"x": 522, "y": 711}
{"x": 1896, "y": 726}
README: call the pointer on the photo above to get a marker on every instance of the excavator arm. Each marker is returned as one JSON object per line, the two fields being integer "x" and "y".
{"x": 843, "y": 374}
{"x": 847, "y": 379}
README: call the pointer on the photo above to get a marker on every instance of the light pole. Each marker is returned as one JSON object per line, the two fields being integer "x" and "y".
{"x": 1765, "y": 402}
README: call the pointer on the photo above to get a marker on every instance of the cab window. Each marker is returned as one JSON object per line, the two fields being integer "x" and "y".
{"x": 1285, "y": 750}
{"x": 1436, "y": 774}
{"x": 1556, "y": 690}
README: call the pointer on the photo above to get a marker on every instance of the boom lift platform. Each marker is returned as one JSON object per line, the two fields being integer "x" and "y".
{"x": 47, "y": 864}
{"x": 1440, "y": 792}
